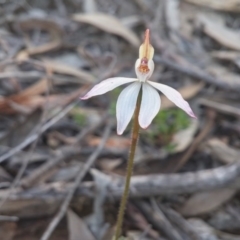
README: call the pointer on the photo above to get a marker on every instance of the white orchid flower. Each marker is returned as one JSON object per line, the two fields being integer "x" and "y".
{"x": 151, "y": 102}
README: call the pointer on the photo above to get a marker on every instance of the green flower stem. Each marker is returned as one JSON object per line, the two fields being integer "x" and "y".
{"x": 134, "y": 139}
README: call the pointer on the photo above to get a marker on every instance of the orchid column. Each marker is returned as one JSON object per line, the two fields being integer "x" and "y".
{"x": 142, "y": 99}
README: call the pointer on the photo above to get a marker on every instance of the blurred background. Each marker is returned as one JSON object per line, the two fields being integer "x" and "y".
{"x": 61, "y": 161}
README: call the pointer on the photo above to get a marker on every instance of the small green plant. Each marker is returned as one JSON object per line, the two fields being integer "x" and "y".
{"x": 170, "y": 147}
{"x": 79, "y": 118}
{"x": 166, "y": 123}
{"x": 171, "y": 121}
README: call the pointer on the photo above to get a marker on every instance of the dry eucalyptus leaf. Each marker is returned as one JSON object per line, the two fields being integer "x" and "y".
{"x": 226, "y": 55}
{"x": 219, "y": 71}
{"x": 77, "y": 228}
{"x": 109, "y": 164}
{"x": 222, "y": 151}
{"x": 225, "y": 36}
{"x": 26, "y": 104}
{"x": 61, "y": 68}
{"x": 233, "y": 56}
{"x": 115, "y": 143}
{"x": 223, "y": 5}
{"x": 183, "y": 138}
{"x": 108, "y": 24}
{"x": 25, "y": 100}
{"x": 50, "y": 26}
{"x": 205, "y": 202}
{"x": 39, "y": 87}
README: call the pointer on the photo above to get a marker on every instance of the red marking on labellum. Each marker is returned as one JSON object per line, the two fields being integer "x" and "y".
{"x": 143, "y": 68}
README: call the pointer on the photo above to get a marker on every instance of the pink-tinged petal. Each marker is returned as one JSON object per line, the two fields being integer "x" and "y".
{"x": 174, "y": 96}
{"x": 126, "y": 104}
{"x": 150, "y": 105}
{"x": 107, "y": 85}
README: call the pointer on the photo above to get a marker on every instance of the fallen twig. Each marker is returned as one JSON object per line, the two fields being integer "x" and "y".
{"x": 25, "y": 75}
{"x": 8, "y": 218}
{"x": 158, "y": 220}
{"x": 146, "y": 186}
{"x": 180, "y": 222}
{"x": 155, "y": 185}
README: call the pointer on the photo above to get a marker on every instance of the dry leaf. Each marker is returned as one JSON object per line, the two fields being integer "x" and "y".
{"x": 205, "y": 202}
{"x": 182, "y": 139}
{"x": 61, "y": 68}
{"x": 22, "y": 55}
{"x": 223, "y": 5}
{"x": 226, "y": 55}
{"x": 50, "y": 26}
{"x": 60, "y": 138}
{"x": 220, "y": 72}
{"x": 225, "y": 36}
{"x": 221, "y": 105}
{"x": 47, "y": 47}
{"x": 39, "y": 87}
{"x": 25, "y": 100}
{"x": 109, "y": 164}
{"x": 222, "y": 151}
{"x": 113, "y": 143}
{"x": 108, "y": 24}
{"x": 187, "y": 93}
{"x": 77, "y": 228}
{"x": 27, "y": 103}
{"x": 233, "y": 56}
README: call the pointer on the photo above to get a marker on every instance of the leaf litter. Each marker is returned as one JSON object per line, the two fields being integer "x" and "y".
{"x": 51, "y": 52}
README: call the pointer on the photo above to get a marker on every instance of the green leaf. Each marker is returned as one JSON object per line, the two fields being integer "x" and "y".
{"x": 79, "y": 118}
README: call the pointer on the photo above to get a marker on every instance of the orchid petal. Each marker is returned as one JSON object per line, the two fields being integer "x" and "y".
{"x": 107, "y": 85}
{"x": 126, "y": 104}
{"x": 150, "y": 105}
{"x": 174, "y": 96}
